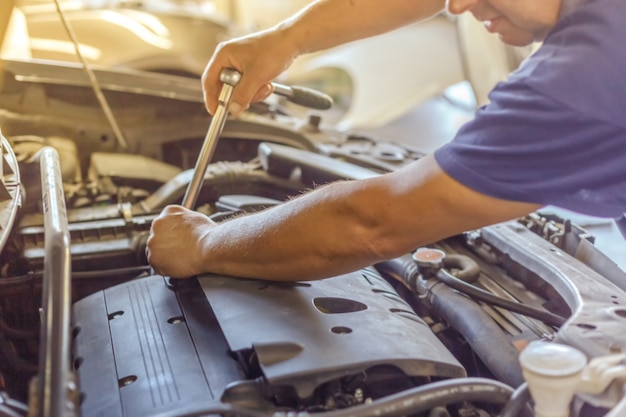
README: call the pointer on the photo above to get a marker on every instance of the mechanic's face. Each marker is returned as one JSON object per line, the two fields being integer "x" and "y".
{"x": 517, "y": 22}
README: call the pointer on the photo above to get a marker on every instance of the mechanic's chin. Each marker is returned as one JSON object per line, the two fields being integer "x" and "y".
{"x": 509, "y": 34}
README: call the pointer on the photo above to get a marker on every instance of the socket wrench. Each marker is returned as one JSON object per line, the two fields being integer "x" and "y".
{"x": 230, "y": 78}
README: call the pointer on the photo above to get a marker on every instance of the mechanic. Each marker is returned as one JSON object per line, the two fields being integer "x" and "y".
{"x": 553, "y": 134}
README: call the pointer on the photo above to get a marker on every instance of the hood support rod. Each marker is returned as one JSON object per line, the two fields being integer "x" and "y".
{"x": 121, "y": 140}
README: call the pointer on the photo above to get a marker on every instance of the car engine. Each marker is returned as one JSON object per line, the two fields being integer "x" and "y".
{"x": 87, "y": 329}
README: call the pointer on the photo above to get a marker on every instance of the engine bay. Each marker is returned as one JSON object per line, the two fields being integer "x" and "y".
{"x": 87, "y": 329}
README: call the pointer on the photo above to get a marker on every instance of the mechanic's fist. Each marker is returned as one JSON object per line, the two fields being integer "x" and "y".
{"x": 174, "y": 245}
{"x": 259, "y": 57}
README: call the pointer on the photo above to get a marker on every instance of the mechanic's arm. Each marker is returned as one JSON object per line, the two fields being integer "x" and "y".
{"x": 337, "y": 228}
{"x": 264, "y": 55}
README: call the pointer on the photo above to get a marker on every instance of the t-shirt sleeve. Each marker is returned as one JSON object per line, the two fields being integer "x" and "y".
{"x": 527, "y": 146}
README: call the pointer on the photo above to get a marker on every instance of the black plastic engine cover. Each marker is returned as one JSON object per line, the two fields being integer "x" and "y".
{"x": 308, "y": 333}
{"x": 142, "y": 347}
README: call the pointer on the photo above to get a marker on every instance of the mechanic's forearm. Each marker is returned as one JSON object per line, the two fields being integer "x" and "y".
{"x": 345, "y": 226}
{"x": 314, "y": 236}
{"x": 327, "y": 23}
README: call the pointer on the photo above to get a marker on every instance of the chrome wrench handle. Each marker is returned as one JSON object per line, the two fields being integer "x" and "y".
{"x": 230, "y": 78}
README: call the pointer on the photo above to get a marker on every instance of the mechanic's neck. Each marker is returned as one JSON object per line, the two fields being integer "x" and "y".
{"x": 569, "y": 5}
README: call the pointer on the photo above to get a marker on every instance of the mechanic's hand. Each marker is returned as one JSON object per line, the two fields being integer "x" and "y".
{"x": 174, "y": 245}
{"x": 259, "y": 57}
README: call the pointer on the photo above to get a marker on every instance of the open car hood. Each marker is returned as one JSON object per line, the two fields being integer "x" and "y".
{"x": 6, "y": 9}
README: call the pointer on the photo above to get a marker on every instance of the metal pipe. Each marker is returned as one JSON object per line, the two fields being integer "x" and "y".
{"x": 54, "y": 354}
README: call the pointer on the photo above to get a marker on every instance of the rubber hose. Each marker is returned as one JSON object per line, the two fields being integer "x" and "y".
{"x": 518, "y": 403}
{"x": 482, "y": 295}
{"x": 468, "y": 269}
{"x": 482, "y": 333}
{"x": 407, "y": 402}
{"x": 214, "y": 409}
{"x": 468, "y": 318}
{"x": 426, "y": 397}
{"x": 402, "y": 269}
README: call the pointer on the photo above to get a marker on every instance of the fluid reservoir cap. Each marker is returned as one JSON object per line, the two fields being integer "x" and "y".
{"x": 429, "y": 258}
{"x": 552, "y": 359}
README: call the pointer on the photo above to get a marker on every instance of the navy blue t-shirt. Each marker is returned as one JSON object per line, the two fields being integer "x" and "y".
{"x": 554, "y": 133}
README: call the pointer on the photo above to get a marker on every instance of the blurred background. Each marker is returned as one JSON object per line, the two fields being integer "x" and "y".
{"x": 374, "y": 86}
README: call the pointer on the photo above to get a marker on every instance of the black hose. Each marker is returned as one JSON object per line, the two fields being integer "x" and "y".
{"x": 225, "y": 410}
{"x": 426, "y": 397}
{"x": 402, "y": 269}
{"x": 482, "y": 295}
{"x": 467, "y": 269}
{"x": 408, "y": 402}
{"x": 36, "y": 276}
{"x": 405, "y": 270}
{"x": 138, "y": 269}
{"x": 465, "y": 316}
{"x": 482, "y": 333}
{"x": 518, "y": 403}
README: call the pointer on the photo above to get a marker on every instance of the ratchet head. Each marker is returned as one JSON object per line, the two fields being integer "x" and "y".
{"x": 299, "y": 95}
{"x": 230, "y": 76}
